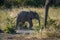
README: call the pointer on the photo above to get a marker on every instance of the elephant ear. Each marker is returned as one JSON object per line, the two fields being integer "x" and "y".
{"x": 31, "y": 14}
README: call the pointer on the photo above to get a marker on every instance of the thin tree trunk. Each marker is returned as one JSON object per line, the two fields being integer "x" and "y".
{"x": 46, "y": 12}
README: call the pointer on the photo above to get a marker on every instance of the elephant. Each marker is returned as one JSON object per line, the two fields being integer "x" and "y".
{"x": 24, "y": 16}
{"x": 47, "y": 4}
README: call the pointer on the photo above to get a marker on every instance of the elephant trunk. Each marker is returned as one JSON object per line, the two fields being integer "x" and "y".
{"x": 39, "y": 20}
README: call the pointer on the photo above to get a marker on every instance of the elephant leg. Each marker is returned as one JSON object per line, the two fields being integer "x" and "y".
{"x": 30, "y": 24}
{"x": 17, "y": 23}
{"x": 22, "y": 25}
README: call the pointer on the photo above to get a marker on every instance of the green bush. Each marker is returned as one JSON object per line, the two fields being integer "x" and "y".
{"x": 10, "y": 30}
{"x": 17, "y": 3}
{"x": 37, "y": 28}
{"x": 10, "y": 26}
{"x": 53, "y": 23}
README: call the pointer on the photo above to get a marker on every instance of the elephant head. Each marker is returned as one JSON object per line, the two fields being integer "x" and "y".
{"x": 35, "y": 16}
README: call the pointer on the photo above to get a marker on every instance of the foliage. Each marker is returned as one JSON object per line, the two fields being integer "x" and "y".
{"x": 51, "y": 22}
{"x": 17, "y": 3}
{"x": 9, "y": 30}
{"x": 37, "y": 29}
{"x": 54, "y": 23}
{"x": 10, "y": 26}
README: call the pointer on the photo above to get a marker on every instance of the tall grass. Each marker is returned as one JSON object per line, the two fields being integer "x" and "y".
{"x": 54, "y": 14}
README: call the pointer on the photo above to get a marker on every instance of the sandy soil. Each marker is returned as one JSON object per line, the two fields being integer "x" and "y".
{"x": 5, "y": 36}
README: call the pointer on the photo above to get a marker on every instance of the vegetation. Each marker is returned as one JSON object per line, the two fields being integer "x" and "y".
{"x": 10, "y": 26}
{"x": 8, "y": 18}
{"x": 18, "y": 3}
{"x": 9, "y": 3}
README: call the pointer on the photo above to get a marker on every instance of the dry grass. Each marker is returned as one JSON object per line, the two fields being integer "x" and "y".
{"x": 48, "y": 34}
{"x": 36, "y": 36}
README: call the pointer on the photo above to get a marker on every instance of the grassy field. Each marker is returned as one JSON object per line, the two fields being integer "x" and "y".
{"x": 51, "y": 33}
{"x": 54, "y": 14}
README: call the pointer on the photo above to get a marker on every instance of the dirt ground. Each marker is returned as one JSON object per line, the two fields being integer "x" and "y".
{"x": 5, "y": 36}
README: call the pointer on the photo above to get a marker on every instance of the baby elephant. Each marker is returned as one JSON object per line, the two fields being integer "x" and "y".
{"x": 27, "y": 16}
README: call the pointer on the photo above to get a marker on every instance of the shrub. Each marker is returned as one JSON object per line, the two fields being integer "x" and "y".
{"x": 10, "y": 30}
{"x": 37, "y": 28}
{"x": 10, "y": 26}
{"x": 53, "y": 23}
{"x": 17, "y": 3}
